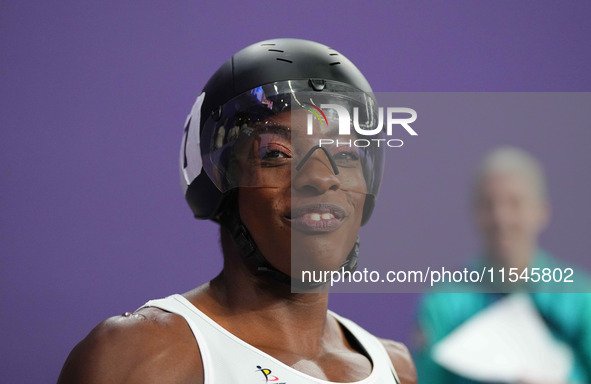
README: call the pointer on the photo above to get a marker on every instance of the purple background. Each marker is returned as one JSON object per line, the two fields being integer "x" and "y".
{"x": 94, "y": 96}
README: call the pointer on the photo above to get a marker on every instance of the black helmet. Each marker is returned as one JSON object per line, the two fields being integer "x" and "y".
{"x": 259, "y": 81}
{"x": 318, "y": 69}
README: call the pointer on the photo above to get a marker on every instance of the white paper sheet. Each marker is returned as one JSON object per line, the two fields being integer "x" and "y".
{"x": 507, "y": 342}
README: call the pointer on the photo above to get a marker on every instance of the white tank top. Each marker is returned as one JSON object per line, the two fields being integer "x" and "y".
{"x": 227, "y": 359}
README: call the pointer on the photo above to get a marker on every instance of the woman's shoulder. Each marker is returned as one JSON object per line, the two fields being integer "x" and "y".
{"x": 149, "y": 345}
{"x": 397, "y": 352}
{"x": 402, "y": 361}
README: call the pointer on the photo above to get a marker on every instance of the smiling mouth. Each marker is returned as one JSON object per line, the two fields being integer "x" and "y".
{"x": 320, "y": 217}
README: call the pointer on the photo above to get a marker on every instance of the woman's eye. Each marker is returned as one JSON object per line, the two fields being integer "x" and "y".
{"x": 346, "y": 156}
{"x": 273, "y": 154}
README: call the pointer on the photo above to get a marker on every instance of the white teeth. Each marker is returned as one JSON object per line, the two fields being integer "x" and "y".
{"x": 315, "y": 216}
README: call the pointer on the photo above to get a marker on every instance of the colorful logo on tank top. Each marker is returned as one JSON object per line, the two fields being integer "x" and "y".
{"x": 268, "y": 377}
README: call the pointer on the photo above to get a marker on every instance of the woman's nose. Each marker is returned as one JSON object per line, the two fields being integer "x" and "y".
{"x": 316, "y": 173}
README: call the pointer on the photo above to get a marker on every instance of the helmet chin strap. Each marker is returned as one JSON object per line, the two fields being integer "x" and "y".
{"x": 256, "y": 261}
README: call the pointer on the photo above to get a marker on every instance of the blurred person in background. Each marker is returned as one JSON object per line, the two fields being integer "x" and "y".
{"x": 511, "y": 209}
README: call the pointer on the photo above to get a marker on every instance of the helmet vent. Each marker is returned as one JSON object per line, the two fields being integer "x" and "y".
{"x": 335, "y": 63}
{"x": 264, "y": 45}
{"x": 289, "y": 61}
{"x": 274, "y": 50}
{"x": 333, "y": 54}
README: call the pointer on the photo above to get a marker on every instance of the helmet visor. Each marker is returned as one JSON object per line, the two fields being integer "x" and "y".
{"x": 265, "y": 137}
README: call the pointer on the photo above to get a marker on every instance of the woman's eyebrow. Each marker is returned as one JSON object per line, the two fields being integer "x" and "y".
{"x": 279, "y": 129}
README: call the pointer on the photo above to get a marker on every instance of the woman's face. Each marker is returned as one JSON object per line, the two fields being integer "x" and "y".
{"x": 302, "y": 219}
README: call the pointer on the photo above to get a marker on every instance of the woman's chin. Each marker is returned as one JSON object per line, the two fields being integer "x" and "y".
{"x": 317, "y": 261}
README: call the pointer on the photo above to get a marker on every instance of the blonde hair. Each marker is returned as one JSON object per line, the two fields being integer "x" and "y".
{"x": 509, "y": 159}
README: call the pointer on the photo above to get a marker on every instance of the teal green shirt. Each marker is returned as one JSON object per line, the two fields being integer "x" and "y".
{"x": 567, "y": 315}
